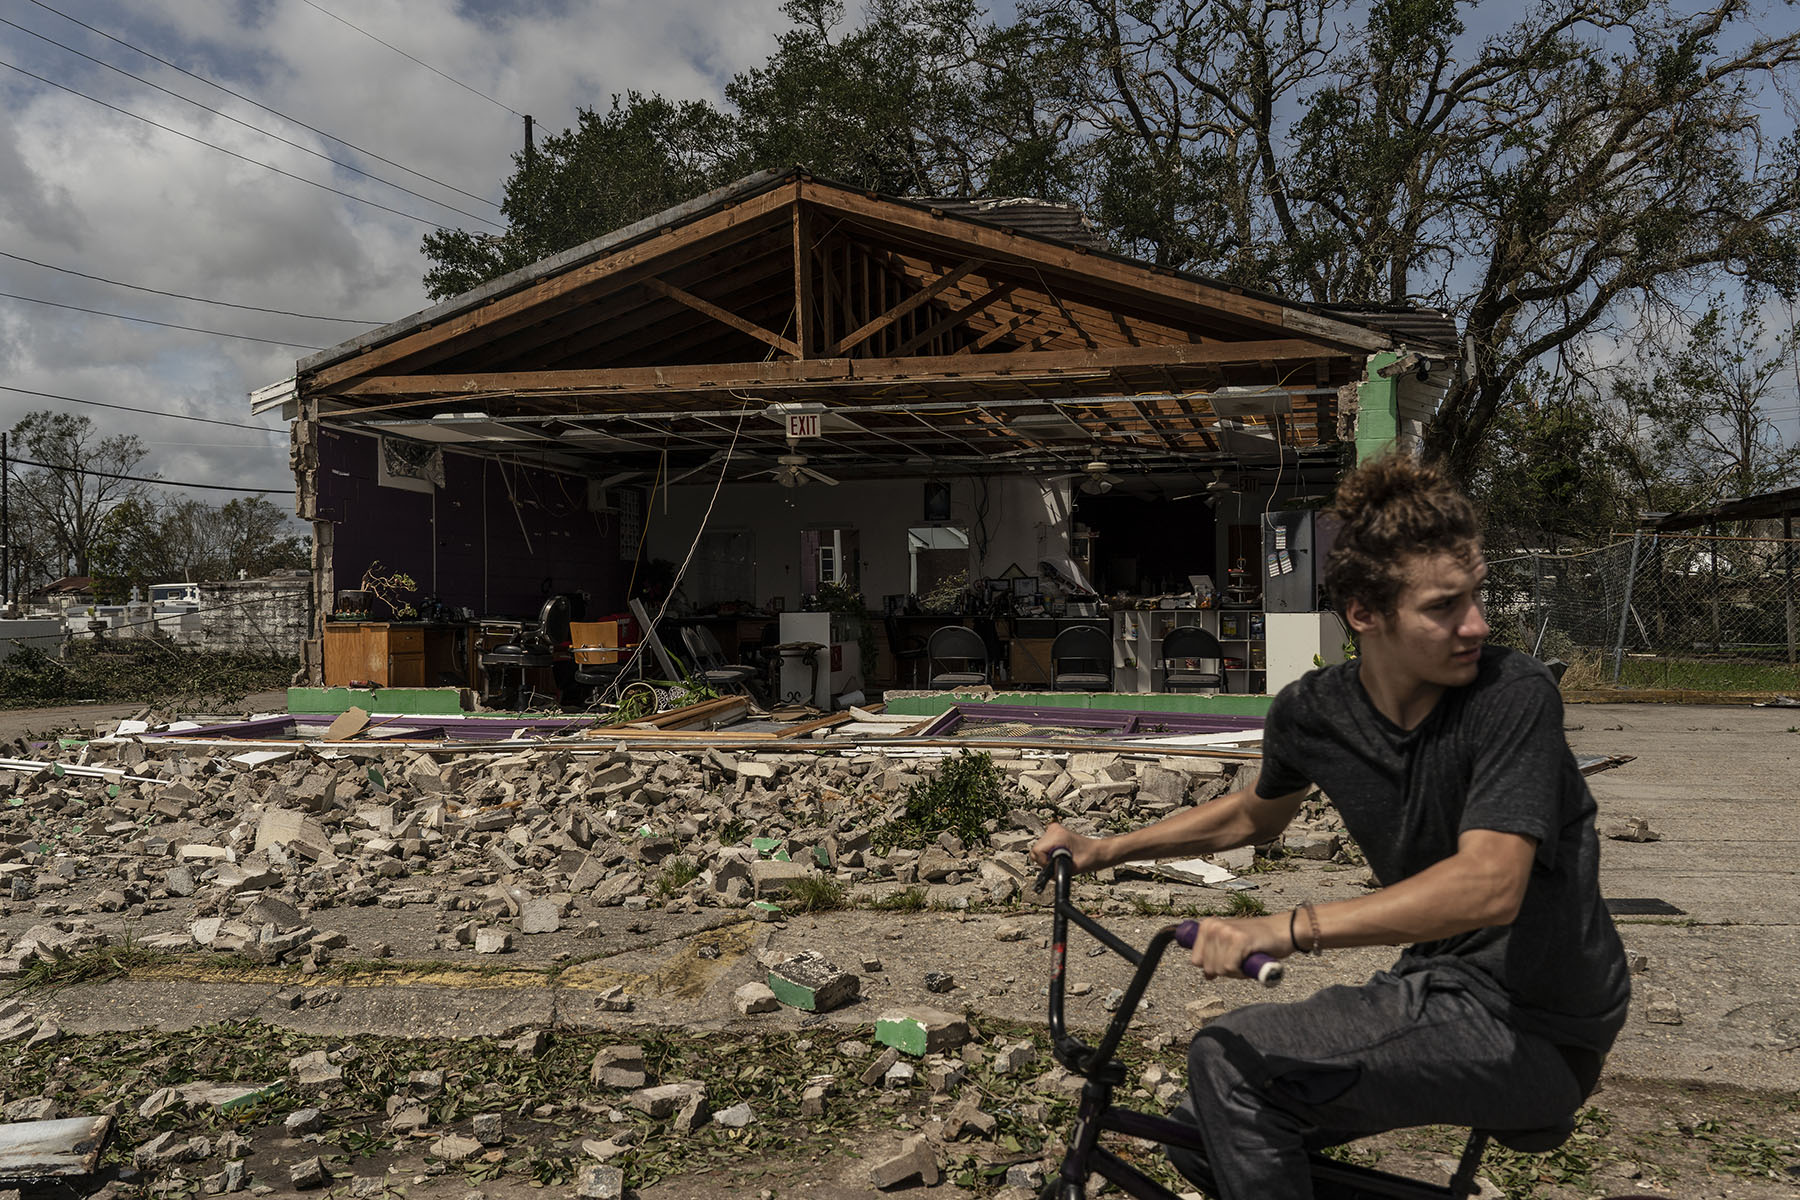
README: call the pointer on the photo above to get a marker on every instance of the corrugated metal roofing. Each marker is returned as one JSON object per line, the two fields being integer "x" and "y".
{"x": 1415, "y": 327}
{"x": 1040, "y": 218}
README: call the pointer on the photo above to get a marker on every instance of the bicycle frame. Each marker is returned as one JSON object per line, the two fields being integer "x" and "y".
{"x": 1332, "y": 1180}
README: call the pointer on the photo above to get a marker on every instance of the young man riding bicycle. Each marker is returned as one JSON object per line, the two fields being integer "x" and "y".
{"x": 1446, "y": 760}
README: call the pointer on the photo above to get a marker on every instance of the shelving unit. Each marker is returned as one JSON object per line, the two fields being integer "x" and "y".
{"x": 1137, "y": 646}
{"x": 1243, "y": 636}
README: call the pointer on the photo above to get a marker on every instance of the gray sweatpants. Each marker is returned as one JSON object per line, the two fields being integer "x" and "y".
{"x": 1270, "y": 1082}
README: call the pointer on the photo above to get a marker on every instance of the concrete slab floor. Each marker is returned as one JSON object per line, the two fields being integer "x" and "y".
{"x": 1719, "y": 784}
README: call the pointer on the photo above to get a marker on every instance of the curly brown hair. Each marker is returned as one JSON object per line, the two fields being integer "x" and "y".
{"x": 1390, "y": 511}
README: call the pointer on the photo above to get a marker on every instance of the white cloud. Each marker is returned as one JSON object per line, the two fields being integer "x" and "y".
{"x": 95, "y": 191}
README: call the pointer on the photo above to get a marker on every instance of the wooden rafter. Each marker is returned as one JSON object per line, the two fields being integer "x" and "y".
{"x": 1024, "y": 365}
{"x": 514, "y": 311}
{"x": 1102, "y": 273}
{"x": 923, "y": 296}
{"x": 955, "y": 318}
{"x": 682, "y": 296}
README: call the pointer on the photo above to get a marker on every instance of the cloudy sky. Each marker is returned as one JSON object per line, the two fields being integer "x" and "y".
{"x": 101, "y": 191}
{"x": 89, "y": 189}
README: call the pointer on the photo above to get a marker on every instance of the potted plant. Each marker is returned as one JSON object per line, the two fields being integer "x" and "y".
{"x": 391, "y": 589}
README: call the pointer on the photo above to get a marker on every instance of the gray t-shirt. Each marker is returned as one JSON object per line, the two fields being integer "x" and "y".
{"x": 1490, "y": 755}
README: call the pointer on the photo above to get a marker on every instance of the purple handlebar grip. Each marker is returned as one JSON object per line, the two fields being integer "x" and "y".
{"x": 1260, "y": 967}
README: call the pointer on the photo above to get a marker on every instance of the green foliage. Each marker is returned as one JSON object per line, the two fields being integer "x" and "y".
{"x": 960, "y": 797}
{"x": 1543, "y": 180}
{"x": 912, "y": 899}
{"x": 59, "y": 509}
{"x": 676, "y": 874}
{"x": 61, "y": 968}
{"x": 1694, "y": 429}
{"x": 642, "y": 155}
{"x": 1243, "y": 904}
{"x": 1545, "y": 479}
{"x": 817, "y": 893}
{"x": 147, "y": 539}
{"x": 138, "y": 670}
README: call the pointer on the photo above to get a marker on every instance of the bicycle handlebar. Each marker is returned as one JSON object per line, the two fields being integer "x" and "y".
{"x": 1260, "y": 967}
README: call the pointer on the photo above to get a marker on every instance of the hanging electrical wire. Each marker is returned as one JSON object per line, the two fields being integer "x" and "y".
{"x": 257, "y": 103}
{"x": 221, "y": 149}
{"x": 211, "y": 487}
{"x": 304, "y": 149}
{"x": 403, "y": 54}
{"x": 279, "y": 312}
{"x": 243, "y": 337}
{"x": 149, "y": 412}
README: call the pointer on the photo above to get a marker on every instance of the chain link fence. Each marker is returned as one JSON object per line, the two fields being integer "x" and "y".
{"x": 1657, "y": 610}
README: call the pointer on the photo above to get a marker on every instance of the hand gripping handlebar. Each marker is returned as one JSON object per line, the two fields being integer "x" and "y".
{"x": 1072, "y": 1052}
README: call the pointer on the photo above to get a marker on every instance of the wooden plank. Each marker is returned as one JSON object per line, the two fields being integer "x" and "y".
{"x": 923, "y": 296}
{"x": 999, "y": 331}
{"x": 717, "y": 376}
{"x": 806, "y": 729}
{"x": 806, "y": 330}
{"x": 590, "y": 321}
{"x": 699, "y": 305}
{"x": 952, "y": 320}
{"x": 1030, "y": 289}
{"x": 722, "y": 708}
{"x": 1007, "y": 246}
{"x": 512, "y": 311}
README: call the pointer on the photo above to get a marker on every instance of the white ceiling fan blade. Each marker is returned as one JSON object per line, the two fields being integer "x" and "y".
{"x": 820, "y": 476}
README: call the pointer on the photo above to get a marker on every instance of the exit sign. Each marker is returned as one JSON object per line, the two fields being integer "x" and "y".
{"x": 803, "y": 425}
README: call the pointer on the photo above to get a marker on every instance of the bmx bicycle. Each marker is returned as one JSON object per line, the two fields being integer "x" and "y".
{"x": 1102, "y": 1073}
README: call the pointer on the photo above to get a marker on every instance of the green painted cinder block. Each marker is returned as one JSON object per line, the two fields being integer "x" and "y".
{"x": 921, "y": 1031}
{"x": 771, "y": 848}
{"x": 810, "y": 983}
{"x": 410, "y": 702}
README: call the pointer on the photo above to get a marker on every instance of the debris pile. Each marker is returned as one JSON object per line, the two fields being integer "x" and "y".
{"x": 260, "y": 847}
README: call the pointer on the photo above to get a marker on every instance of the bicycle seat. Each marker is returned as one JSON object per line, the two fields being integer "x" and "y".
{"x": 1533, "y": 1141}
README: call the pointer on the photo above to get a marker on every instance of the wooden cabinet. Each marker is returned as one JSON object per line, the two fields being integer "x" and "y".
{"x": 371, "y": 652}
{"x": 1028, "y": 660}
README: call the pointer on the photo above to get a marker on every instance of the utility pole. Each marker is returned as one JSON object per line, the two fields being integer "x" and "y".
{"x": 530, "y": 150}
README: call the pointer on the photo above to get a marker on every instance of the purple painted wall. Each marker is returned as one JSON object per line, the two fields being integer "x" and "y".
{"x": 497, "y": 537}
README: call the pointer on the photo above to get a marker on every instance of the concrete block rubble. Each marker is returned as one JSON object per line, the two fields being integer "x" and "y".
{"x": 508, "y": 846}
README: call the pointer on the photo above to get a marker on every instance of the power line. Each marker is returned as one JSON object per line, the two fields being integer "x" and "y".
{"x": 147, "y": 411}
{"x": 221, "y": 149}
{"x": 403, "y": 54}
{"x": 280, "y": 312}
{"x": 211, "y": 487}
{"x": 337, "y": 162}
{"x": 247, "y": 100}
{"x": 163, "y": 324}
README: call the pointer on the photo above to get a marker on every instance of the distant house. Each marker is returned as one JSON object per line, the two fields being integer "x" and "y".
{"x": 70, "y": 589}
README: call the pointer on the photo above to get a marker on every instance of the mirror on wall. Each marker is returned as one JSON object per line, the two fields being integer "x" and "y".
{"x": 936, "y": 552}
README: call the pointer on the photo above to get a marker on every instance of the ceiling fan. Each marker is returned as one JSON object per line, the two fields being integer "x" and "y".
{"x": 1099, "y": 478}
{"x": 792, "y": 471}
{"x": 1216, "y": 488}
